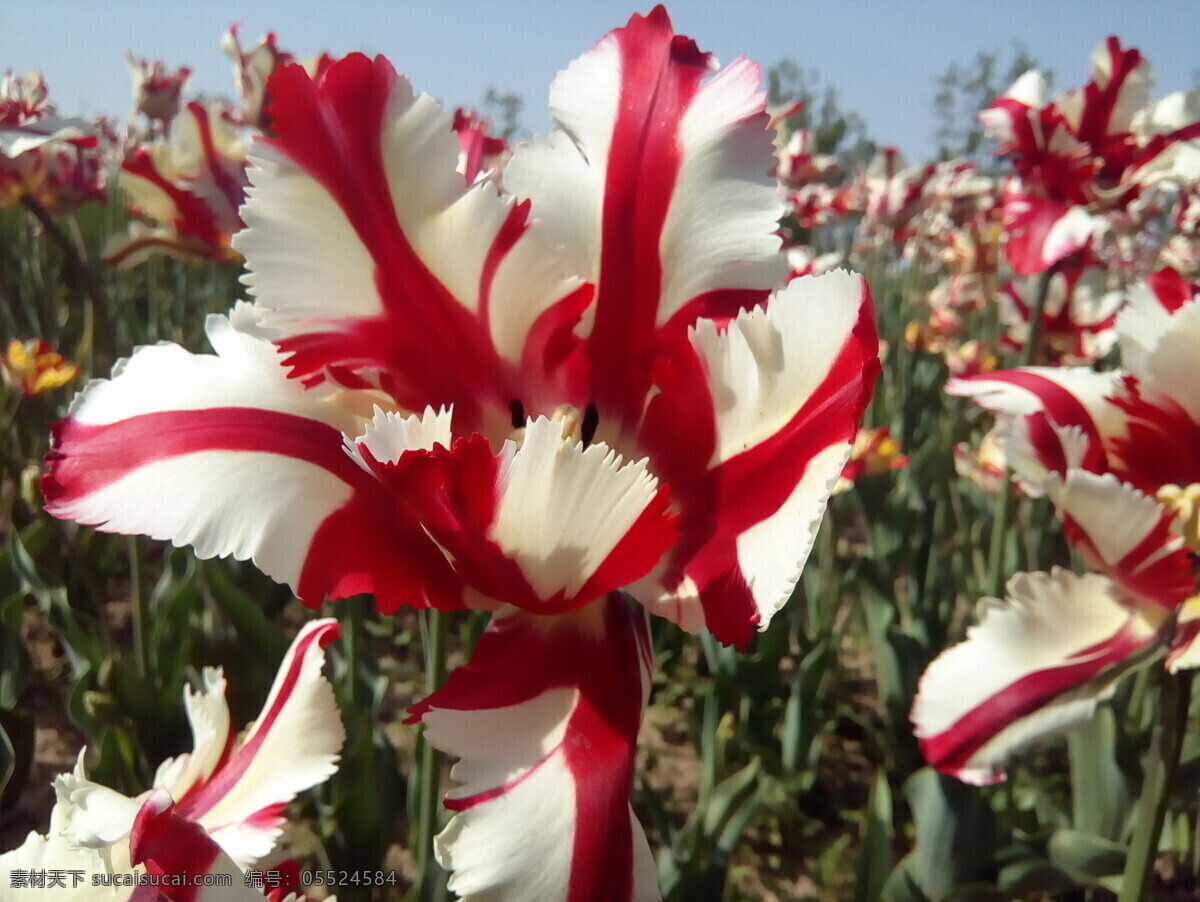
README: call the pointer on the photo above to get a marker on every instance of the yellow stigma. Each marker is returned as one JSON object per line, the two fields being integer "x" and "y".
{"x": 571, "y": 420}
{"x": 1184, "y": 503}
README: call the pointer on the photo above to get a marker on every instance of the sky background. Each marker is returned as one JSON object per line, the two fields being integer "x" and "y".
{"x": 884, "y": 57}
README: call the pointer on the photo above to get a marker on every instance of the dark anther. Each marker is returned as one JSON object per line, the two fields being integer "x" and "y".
{"x": 518, "y": 413}
{"x": 591, "y": 419}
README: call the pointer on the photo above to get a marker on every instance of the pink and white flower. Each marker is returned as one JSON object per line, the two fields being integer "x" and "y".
{"x": 229, "y": 791}
{"x": 157, "y": 92}
{"x": 43, "y": 155}
{"x": 1086, "y": 153}
{"x": 1079, "y": 318}
{"x": 253, "y": 68}
{"x": 1113, "y": 453}
{"x": 451, "y": 396}
{"x": 186, "y": 191}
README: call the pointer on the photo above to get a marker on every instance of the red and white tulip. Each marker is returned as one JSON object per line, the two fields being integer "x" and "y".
{"x": 447, "y": 395}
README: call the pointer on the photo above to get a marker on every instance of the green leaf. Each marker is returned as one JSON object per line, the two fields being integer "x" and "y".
{"x": 956, "y": 832}
{"x": 725, "y": 795}
{"x": 901, "y": 885}
{"x": 1033, "y": 875}
{"x": 875, "y": 856}
{"x": 1100, "y": 800}
{"x": 16, "y": 753}
{"x": 14, "y": 659}
{"x": 1085, "y": 857}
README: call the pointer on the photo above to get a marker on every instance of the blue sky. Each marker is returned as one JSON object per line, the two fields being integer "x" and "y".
{"x": 883, "y": 56}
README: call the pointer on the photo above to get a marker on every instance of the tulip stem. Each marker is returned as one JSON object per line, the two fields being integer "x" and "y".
{"x": 84, "y": 279}
{"x": 434, "y": 635}
{"x": 1166, "y": 744}
{"x": 995, "y": 574}
{"x": 141, "y": 608}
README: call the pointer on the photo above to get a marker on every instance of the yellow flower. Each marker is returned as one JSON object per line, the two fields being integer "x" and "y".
{"x": 873, "y": 453}
{"x": 1184, "y": 503}
{"x": 33, "y": 367}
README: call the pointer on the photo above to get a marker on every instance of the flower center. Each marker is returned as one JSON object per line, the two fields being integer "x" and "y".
{"x": 578, "y": 425}
{"x": 1184, "y": 503}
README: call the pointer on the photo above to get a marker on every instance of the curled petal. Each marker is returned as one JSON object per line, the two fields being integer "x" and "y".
{"x": 1035, "y": 665}
{"x": 1043, "y": 232}
{"x": 175, "y": 848}
{"x": 544, "y": 719}
{"x": 752, "y": 425}
{"x": 1126, "y": 534}
{"x": 226, "y": 454}
{"x": 547, "y": 527}
{"x": 295, "y": 744}
{"x": 1033, "y": 405}
{"x": 368, "y": 250}
{"x": 657, "y": 182}
{"x": 208, "y": 715}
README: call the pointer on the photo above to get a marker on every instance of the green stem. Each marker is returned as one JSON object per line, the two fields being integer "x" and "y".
{"x": 434, "y": 630}
{"x": 352, "y": 622}
{"x": 141, "y": 608}
{"x": 995, "y": 576}
{"x": 84, "y": 280}
{"x": 1166, "y": 744}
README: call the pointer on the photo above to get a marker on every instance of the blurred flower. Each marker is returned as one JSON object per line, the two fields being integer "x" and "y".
{"x": 802, "y": 262}
{"x": 970, "y": 358}
{"x": 34, "y": 368}
{"x": 1087, "y": 152}
{"x": 1116, "y": 455}
{"x": 188, "y": 188}
{"x": 453, "y": 397}
{"x": 253, "y": 68}
{"x": 799, "y": 163}
{"x": 933, "y": 337}
{"x": 1140, "y": 423}
{"x": 156, "y": 92}
{"x": 1079, "y": 318}
{"x": 983, "y": 465}
{"x": 482, "y": 155}
{"x": 873, "y": 453}
{"x": 894, "y": 190}
{"x": 33, "y": 138}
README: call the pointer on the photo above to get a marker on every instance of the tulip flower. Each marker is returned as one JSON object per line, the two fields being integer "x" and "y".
{"x": 521, "y": 403}
{"x": 187, "y": 189}
{"x": 230, "y": 791}
{"x": 1111, "y": 452}
{"x": 873, "y": 453}
{"x": 1078, "y": 323}
{"x": 481, "y": 153}
{"x": 156, "y": 92}
{"x": 253, "y": 68}
{"x": 1087, "y": 152}
{"x": 33, "y": 368}
{"x": 35, "y": 141}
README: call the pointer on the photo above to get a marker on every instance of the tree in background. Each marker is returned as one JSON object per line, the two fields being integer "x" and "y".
{"x": 965, "y": 89}
{"x": 504, "y": 109}
{"x": 837, "y": 131}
